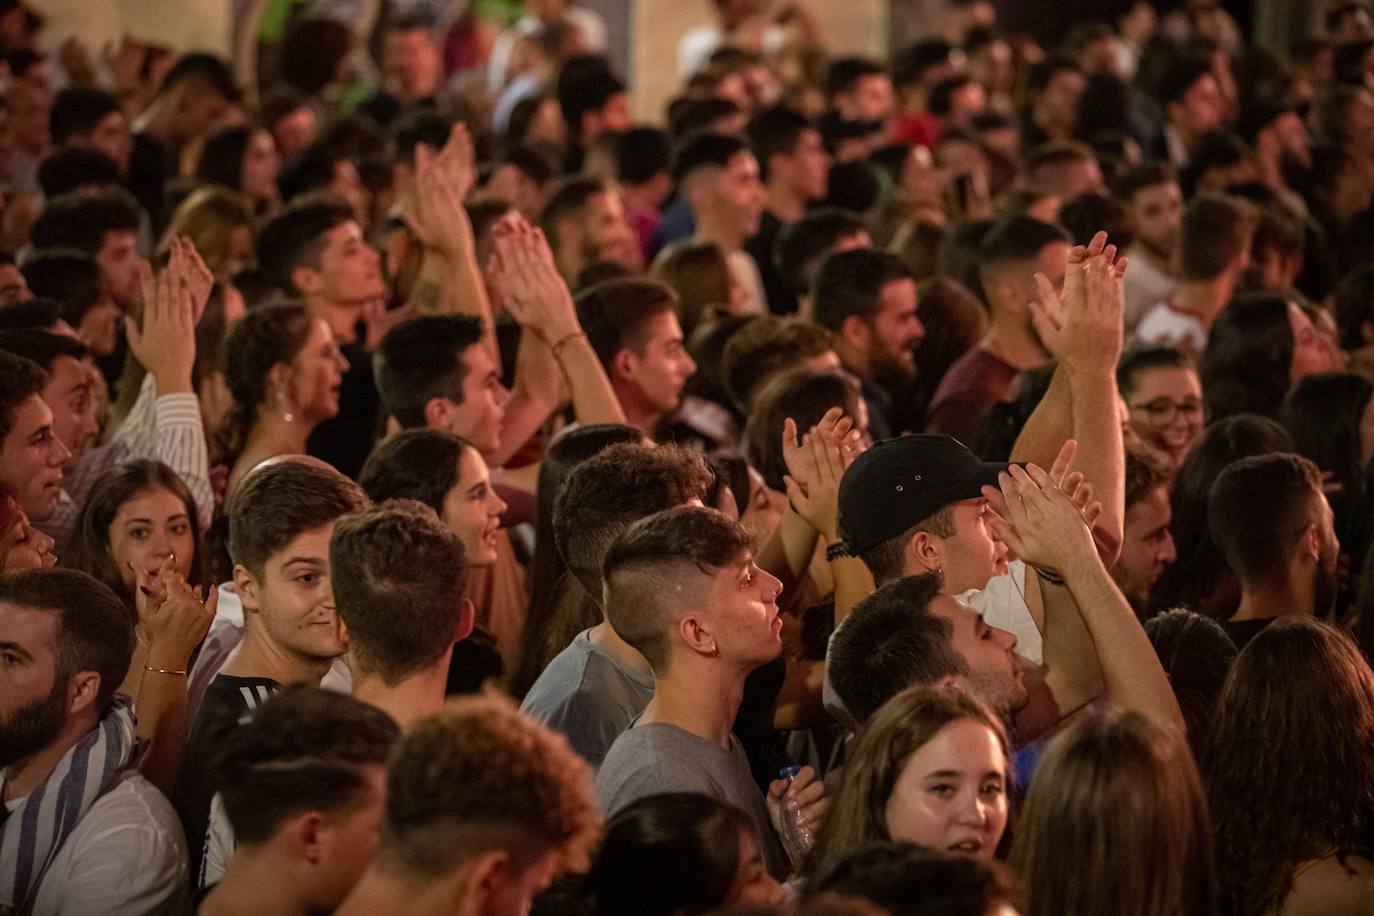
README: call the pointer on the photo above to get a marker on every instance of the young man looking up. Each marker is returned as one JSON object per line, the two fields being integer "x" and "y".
{"x": 398, "y": 576}
{"x": 683, "y": 589}
{"x": 1008, "y": 260}
{"x": 1147, "y": 547}
{"x": 484, "y": 808}
{"x": 867, "y": 299}
{"x": 1214, "y": 249}
{"x": 280, "y": 522}
{"x": 31, "y": 454}
{"x": 632, "y": 325}
{"x": 718, "y": 176}
{"x": 1286, "y": 564}
{"x": 303, "y": 784}
{"x": 91, "y": 845}
{"x": 795, "y": 170}
{"x": 591, "y": 691}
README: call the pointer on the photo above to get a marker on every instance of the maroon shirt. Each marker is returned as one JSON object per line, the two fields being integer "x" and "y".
{"x": 975, "y": 382}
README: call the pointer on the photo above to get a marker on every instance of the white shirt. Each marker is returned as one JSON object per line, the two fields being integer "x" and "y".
{"x": 589, "y": 23}
{"x": 1002, "y": 602}
{"x": 1146, "y": 285}
{"x": 127, "y": 855}
{"x": 1165, "y": 326}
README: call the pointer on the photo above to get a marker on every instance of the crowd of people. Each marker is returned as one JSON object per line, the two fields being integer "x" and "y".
{"x": 935, "y": 485}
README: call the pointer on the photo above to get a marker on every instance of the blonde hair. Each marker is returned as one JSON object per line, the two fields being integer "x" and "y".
{"x": 210, "y": 215}
{"x": 1115, "y": 822}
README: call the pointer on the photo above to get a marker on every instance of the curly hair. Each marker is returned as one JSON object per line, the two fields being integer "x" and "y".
{"x": 1290, "y": 766}
{"x": 261, "y": 339}
{"x": 858, "y": 813}
{"x": 478, "y": 776}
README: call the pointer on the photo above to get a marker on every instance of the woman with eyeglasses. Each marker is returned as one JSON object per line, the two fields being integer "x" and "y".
{"x": 1163, "y": 398}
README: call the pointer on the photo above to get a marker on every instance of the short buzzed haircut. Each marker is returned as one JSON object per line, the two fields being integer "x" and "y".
{"x": 95, "y": 628}
{"x": 422, "y": 359}
{"x": 706, "y": 151}
{"x": 80, "y": 220}
{"x": 891, "y": 642}
{"x": 1011, "y": 242}
{"x": 607, "y": 493}
{"x": 1216, "y": 230}
{"x": 852, "y": 282}
{"x": 1257, "y": 511}
{"x": 398, "y": 575}
{"x": 647, "y": 573}
{"x": 616, "y": 313}
{"x": 20, "y": 379}
{"x": 802, "y": 246}
{"x": 275, "y": 504}
{"x": 296, "y": 236}
{"x": 479, "y": 776}
{"x": 762, "y": 349}
{"x": 305, "y": 749}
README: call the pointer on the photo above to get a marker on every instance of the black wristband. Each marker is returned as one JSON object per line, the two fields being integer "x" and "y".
{"x": 1051, "y": 578}
{"x": 836, "y": 551}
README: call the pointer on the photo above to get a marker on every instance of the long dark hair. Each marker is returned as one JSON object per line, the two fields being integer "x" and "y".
{"x": 89, "y": 550}
{"x": 668, "y": 854}
{"x": 1322, "y": 413}
{"x": 264, "y": 337}
{"x": 221, "y": 158}
{"x": 1290, "y": 767}
{"x": 1249, "y": 355}
{"x": 557, "y": 602}
{"x": 1199, "y": 578}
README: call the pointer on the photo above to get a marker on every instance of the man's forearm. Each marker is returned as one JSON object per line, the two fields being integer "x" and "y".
{"x": 1131, "y": 672}
{"x": 1101, "y": 452}
{"x": 593, "y": 398}
{"x": 1049, "y": 425}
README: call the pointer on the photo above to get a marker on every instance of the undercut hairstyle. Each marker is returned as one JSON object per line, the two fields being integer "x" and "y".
{"x": 845, "y": 72}
{"x": 775, "y": 131}
{"x": 802, "y": 246}
{"x": 706, "y": 151}
{"x": 604, "y": 495}
{"x": 568, "y": 199}
{"x": 1013, "y": 242}
{"x": 1216, "y": 230}
{"x": 422, "y": 359}
{"x": 296, "y": 237}
{"x": 763, "y": 349}
{"x": 1289, "y": 486}
{"x": 77, "y": 111}
{"x": 80, "y": 220}
{"x": 615, "y": 314}
{"x": 415, "y": 464}
{"x": 648, "y": 568}
{"x": 73, "y": 168}
{"x": 20, "y": 379}
{"x": 585, "y": 84}
{"x": 43, "y": 347}
{"x": 276, "y": 503}
{"x": 1146, "y": 471}
{"x": 70, "y": 276}
{"x": 852, "y": 282}
{"x": 1138, "y": 360}
{"x": 1145, "y": 175}
{"x": 802, "y": 396}
{"x": 398, "y": 575}
{"x": 305, "y": 749}
{"x": 891, "y": 642}
{"x": 479, "y": 776}
{"x": 906, "y": 879}
{"x": 887, "y": 560}
{"x": 95, "y": 630}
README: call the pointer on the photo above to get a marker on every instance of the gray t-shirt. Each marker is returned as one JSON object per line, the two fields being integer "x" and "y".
{"x": 587, "y": 695}
{"x": 657, "y": 757}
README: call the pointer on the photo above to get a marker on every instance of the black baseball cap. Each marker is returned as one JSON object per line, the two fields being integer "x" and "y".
{"x": 899, "y": 483}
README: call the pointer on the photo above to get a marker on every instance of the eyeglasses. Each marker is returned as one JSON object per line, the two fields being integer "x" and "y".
{"x": 1163, "y": 411}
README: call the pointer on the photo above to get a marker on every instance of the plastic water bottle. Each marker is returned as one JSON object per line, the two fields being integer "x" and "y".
{"x": 796, "y": 839}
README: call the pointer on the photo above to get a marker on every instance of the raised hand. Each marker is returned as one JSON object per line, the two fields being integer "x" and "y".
{"x": 165, "y": 341}
{"x": 523, "y": 271}
{"x": 186, "y": 263}
{"x": 174, "y": 616}
{"x": 435, "y": 211}
{"x": 1044, "y": 526}
{"x": 815, "y": 465}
